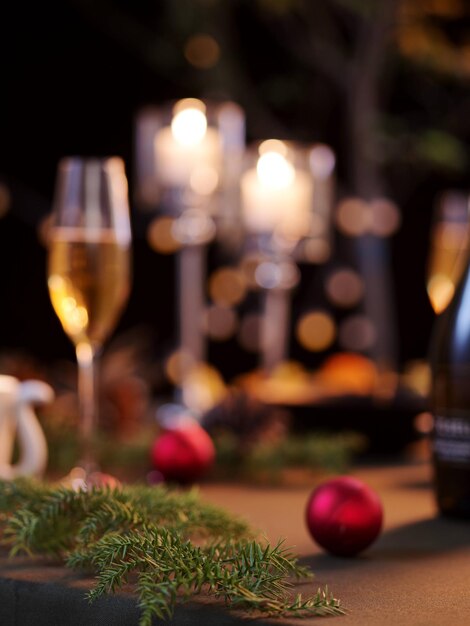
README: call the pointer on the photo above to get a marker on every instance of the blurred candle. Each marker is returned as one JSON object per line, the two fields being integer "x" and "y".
{"x": 275, "y": 195}
{"x": 188, "y": 152}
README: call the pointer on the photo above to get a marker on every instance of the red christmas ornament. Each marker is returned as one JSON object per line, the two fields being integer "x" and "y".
{"x": 184, "y": 453}
{"x": 344, "y": 516}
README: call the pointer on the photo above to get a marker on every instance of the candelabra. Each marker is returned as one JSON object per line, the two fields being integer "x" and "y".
{"x": 188, "y": 161}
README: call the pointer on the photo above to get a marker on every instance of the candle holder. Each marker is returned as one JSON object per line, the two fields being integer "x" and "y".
{"x": 189, "y": 156}
{"x": 277, "y": 201}
{"x": 316, "y": 246}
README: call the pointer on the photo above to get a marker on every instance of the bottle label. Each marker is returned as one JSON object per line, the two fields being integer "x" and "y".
{"x": 452, "y": 439}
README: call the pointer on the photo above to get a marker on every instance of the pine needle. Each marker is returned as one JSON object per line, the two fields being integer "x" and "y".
{"x": 169, "y": 545}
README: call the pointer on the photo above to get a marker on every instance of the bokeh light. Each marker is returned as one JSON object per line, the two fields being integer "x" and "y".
{"x": 316, "y": 250}
{"x": 220, "y": 323}
{"x": 322, "y": 161}
{"x": 177, "y": 366}
{"x": 316, "y": 331}
{"x": 189, "y": 124}
{"x": 440, "y": 290}
{"x": 202, "y": 51}
{"x": 384, "y": 218}
{"x": 274, "y": 170}
{"x": 352, "y": 217}
{"x": 227, "y": 286}
{"x": 160, "y": 235}
{"x": 424, "y": 423}
{"x": 268, "y": 275}
{"x": 248, "y": 267}
{"x": 344, "y": 287}
{"x": 357, "y": 333}
{"x": 204, "y": 180}
{"x": 273, "y": 145}
{"x": 44, "y": 229}
{"x": 250, "y": 332}
{"x": 193, "y": 226}
{"x": 318, "y": 225}
{"x": 5, "y": 200}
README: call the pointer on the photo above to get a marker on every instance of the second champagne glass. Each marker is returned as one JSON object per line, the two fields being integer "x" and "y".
{"x": 89, "y": 269}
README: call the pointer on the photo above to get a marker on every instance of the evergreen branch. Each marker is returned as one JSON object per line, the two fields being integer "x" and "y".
{"x": 169, "y": 546}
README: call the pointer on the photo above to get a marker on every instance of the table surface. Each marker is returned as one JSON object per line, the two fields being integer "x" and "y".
{"x": 417, "y": 572}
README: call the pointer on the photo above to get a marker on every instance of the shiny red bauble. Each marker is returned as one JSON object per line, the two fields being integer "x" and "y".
{"x": 184, "y": 453}
{"x": 344, "y": 516}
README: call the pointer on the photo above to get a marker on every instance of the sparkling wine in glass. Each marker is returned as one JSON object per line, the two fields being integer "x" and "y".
{"x": 448, "y": 248}
{"x": 89, "y": 269}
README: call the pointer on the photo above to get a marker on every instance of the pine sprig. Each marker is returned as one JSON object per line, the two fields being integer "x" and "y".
{"x": 169, "y": 545}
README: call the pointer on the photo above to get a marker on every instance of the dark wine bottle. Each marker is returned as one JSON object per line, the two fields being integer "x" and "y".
{"x": 450, "y": 400}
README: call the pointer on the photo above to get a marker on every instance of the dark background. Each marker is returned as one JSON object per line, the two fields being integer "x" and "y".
{"x": 384, "y": 83}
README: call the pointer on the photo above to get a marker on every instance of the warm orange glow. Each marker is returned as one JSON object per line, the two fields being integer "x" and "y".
{"x": 449, "y": 243}
{"x": 424, "y": 423}
{"x": 441, "y": 290}
{"x": 72, "y": 314}
{"x": 227, "y": 286}
{"x": 178, "y": 365}
{"x": 316, "y": 331}
{"x": 273, "y": 145}
{"x": 202, "y": 51}
{"x": 160, "y": 235}
{"x": 204, "y": 387}
{"x": 316, "y": 250}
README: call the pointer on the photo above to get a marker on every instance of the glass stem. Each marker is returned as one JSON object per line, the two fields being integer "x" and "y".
{"x": 87, "y": 404}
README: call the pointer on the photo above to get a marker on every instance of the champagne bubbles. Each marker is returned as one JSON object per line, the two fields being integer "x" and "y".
{"x": 316, "y": 331}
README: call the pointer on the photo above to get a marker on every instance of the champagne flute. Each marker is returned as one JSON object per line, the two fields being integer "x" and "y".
{"x": 89, "y": 269}
{"x": 448, "y": 246}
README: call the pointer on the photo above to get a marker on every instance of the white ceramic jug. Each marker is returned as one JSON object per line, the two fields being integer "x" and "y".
{"x": 18, "y": 420}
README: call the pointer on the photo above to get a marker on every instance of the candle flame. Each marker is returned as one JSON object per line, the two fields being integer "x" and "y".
{"x": 189, "y": 124}
{"x": 275, "y": 171}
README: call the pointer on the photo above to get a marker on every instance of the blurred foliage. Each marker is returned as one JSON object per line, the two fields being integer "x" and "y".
{"x": 332, "y": 70}
{"x": 315, "y": 452}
